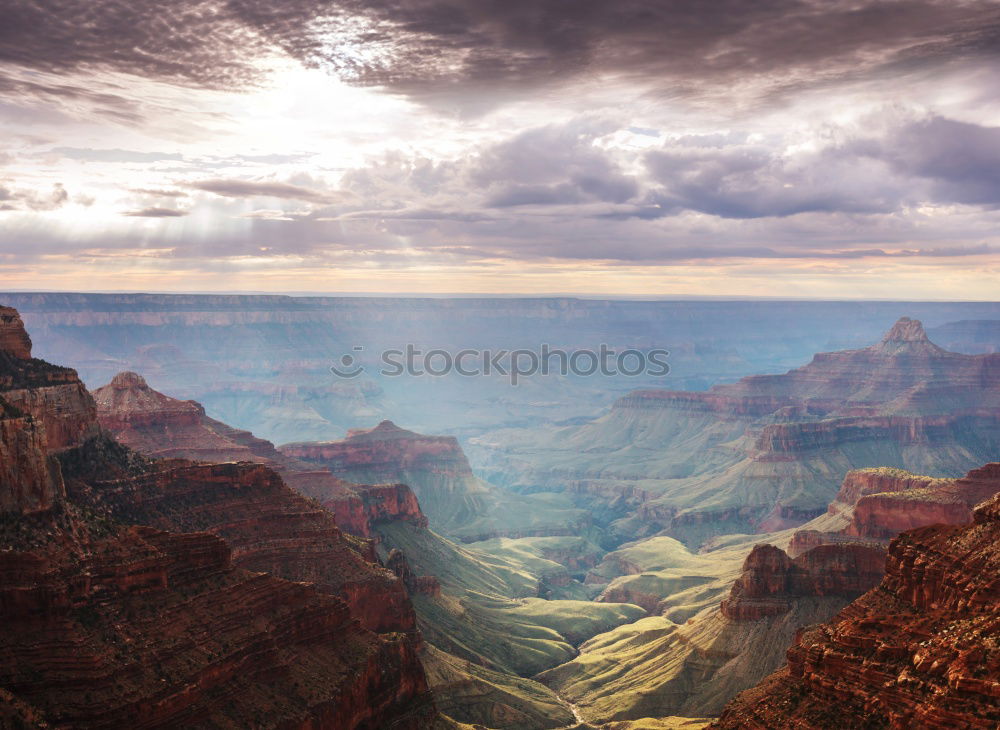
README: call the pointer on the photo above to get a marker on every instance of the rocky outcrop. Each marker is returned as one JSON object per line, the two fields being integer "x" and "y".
{"x": 920, "y": 650}
{"x": 771, "y": 580}
{"x": 145, "y": 593}
{"x": 424, "y": 585}
{"x": 29, "y": 481}
{"x": 14, "y": 338}
{"x": 859, "y": 483}
{"x": 455, "y": 501}
{"x": 270, "y": 527}
{"x": 142, "y": 628}
{"x": 435, "y": 467}
{"x": 158, "y": 425}
{"x": 878, "y": 504}
{"x": 53, "y": 396}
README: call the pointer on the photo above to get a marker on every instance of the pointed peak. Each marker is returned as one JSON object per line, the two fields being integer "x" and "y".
{"x": 907, "y": 336}
{"x": 906, "y": 330}
{"x": 128, "y": 380}
{"x": 385, "y": 430}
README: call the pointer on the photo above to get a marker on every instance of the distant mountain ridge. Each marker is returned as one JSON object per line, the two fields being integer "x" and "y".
{"x": 768, "y": 451}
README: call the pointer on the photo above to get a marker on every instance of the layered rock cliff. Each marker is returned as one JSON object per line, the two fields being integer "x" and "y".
{"x": 158, "y": 425}
{"x": 772, "y": 581}
{"x": 28, "y": 483}
{"x": 269, "y": 526}
{"x": 456, "y": 502}
{"x": 769, "y": 451}
{"x": 920, "y": 650}
{"x": 434, "y": 466}
{"x": 111, "y": 621}
{"x": 875, "y": 505}
{"x": 52, "y": 395}
{"x": 135, "y": 627}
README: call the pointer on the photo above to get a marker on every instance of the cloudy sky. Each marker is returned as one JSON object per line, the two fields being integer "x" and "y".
{"x": 801, "y": 148}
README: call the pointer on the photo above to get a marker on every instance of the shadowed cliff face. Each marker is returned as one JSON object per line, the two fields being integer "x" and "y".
{"x": 772, "y": 581}
{"x": 111, "y": 622}
{"x": 52, "y": 395}
{"x": 14, "y": 339}
{"x": 767, "y": 452}
{"x": 920, "y": 650}
{"x": 158, "y": 425}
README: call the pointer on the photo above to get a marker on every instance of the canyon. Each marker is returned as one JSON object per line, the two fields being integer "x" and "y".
{"x": 769, "y": 451}
{"x": 482, "y": 631}
{"x": 716, "y": 627}
{"x": 111, "y": 620}
{"x": 720, "y": 621}
{"x": 630, "y": 570}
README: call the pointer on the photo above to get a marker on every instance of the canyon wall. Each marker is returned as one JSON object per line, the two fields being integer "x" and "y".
{"x": 919, "y": 650}
{"x": 132, "y": 590}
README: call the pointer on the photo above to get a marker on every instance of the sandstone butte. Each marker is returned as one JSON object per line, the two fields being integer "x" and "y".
{"x": 142, "y": 593}
{"x": 920, "y": 650}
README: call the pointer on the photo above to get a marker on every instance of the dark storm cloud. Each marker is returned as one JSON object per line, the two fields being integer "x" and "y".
{"x": 154, "y": 212}
{"x": 448, "y": 48}
{"x": 248, "y": 189}
{"x": 189, "y": 40}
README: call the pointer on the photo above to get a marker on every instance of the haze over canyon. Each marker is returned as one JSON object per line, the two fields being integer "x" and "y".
{"x": 499, "y": 365}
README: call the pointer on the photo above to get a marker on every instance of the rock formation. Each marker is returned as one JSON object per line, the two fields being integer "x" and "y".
{"x": 434, "y": 466}
{"x": 28, "y": 483}
{"x": 772, "y": 581}
{"x": 131, "y": 591}
{"x": 53, "y": 396}
{"x": 920, "y": 650}
{"x": 875, "y": 505}
{"x": 158, "y": 425}
{"x": 767, "y": 452}
{"x": 456, "y": 502}
{"x": 14, "y": 339}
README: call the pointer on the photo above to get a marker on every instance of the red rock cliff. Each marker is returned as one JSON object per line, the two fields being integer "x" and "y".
{"x": 920, "y": 650}
{"x": 52, "y": 395}
{"x": 106, "y": 625}
{"x": 269, "y": 526}
{"x": 435, "y": 468}
{"x": 13, "y": 336}
{"x": 159, "y": 425}
{"x": 771, "y": 580}
{"x": 29, "y": 481}
{"x": 880, "y": 503}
